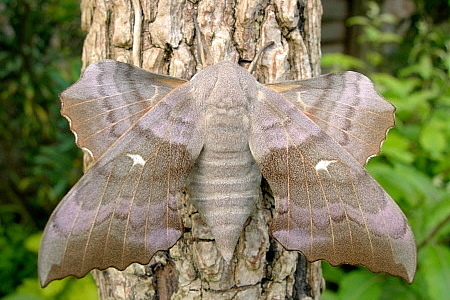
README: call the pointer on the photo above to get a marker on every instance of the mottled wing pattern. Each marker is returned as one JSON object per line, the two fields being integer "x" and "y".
{"x": 327, "y": 206}
{"x": 346, "y": 107}
{"x": 125, "y": 208}
{"x": 108, "y": 99}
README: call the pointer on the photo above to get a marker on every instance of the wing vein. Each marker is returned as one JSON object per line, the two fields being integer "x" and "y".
{"x": 79, "y": 103}
{"x": 91, "y": 229}
{"x": 108, "y": 232}
{"x": 127, "y": 224}
{"x": 68, "y": 239}
{"x": 151, "y": 182}
{"x": 112, "y": 125}
{"x": 342, "y": 129}
{"x": 118, "y": 108}
{"x": 336, "y": 102}
{"x": 328, "y": 208}
{"x": 372, "y": 252}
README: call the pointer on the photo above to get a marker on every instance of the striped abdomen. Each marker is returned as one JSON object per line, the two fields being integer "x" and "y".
{"x": 224, "y": 187}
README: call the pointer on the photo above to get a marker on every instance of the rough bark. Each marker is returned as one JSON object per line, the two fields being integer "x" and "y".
{"x": 160, "y": 36}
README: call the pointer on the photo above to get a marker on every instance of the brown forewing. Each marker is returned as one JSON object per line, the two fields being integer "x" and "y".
{"x": 125, "y": 208}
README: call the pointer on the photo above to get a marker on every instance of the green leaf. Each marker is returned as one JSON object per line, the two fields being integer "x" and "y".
{"x": 391, "y": 86}
{"x": 22, "y": 297}
{"x": 332, "y": 274}
{"x": 388, "y": 37}
{"x": 54, "y": 288}
{"x": 338, "y": 62}
{"x": 431, "y": 215}
{"x": 83, "y": 288}
{"x": 33, "y": 242}
{"x": 372, "y": 34}
{"x": 388, "y": 19}
{"x": 436, "y": 269}
{"x": 419, "y": 182}
{"x": 425, "y": 66}
{"x": 329, "y": 295}
{"x": 396, "y": 288}
{"x": 71, "y": 288}
{"x": 357, "y": 20}
{"x": 360, "y": 284}
{"x": 30, "y": 289}
{"x": 374, "y": 58}
{"x": 397, "y": 148}
{"x": 433, "y": 140}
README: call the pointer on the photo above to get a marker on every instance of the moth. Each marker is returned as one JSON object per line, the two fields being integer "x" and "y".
{"x": 153, "y": 136}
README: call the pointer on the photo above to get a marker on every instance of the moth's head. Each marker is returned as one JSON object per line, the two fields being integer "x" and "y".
{"x": 225, "y": 80}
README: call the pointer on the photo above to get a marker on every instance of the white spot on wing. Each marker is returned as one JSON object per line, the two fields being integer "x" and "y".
{"x": 137, "y": 159}
{"x": 323, "y": 165}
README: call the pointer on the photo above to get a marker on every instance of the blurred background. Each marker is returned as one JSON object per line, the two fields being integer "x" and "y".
{"x": 402, "y": 45}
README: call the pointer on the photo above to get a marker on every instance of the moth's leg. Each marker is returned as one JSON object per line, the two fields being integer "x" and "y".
{"x": 252, "y": 66}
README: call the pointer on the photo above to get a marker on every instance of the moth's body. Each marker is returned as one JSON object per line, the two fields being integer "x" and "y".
{"x": 224, "y": 183}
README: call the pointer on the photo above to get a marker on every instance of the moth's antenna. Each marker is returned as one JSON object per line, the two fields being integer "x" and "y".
{"x": 252, "y": 66}
{"x": 201, "y": 46}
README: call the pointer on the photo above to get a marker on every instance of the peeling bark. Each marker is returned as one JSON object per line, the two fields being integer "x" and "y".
{"x": 159, "y": 36}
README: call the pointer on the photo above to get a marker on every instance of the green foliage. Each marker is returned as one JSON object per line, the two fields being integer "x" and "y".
{"x": 15, "y": 259}
{"x": 66, "y": 289}
{"x": 38, "y": 159}
{"x": 414, "y": 165}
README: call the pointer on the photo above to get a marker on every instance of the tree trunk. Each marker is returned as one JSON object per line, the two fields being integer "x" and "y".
{"x": 160, "y": 36}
